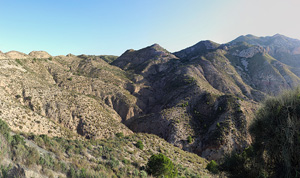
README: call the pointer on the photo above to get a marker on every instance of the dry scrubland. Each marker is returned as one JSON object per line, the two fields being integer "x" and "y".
{"x": 89, "y": 112}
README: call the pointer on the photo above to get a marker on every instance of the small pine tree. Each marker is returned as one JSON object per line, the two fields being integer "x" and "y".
{"x": 212, "y": 166}
{"x": 161, "y": 166}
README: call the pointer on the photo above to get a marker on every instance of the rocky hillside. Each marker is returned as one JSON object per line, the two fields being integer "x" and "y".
{"x": 200, "y": 99}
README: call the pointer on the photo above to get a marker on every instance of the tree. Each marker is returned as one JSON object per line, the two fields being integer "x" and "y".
{"x": 159, "y": 165}
{"x": 275, "y": 151}
{"x": 212, "y": 166}
{"x": 276, "y": 133}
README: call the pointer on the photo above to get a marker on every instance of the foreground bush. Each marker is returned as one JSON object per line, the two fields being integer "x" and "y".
{"x": 161, "y": 166}
{"x": 276, "y": 147}
{"x": 276, "y": 132}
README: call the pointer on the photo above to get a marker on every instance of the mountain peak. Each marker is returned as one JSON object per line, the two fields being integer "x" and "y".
{"x": 133, "y": 58}
{"x": 278, "y": 35}
{"x": 157, "y": 47}
{"x": 197, "y": 49}
{"x": 39, "y": 54}
{"x": 16, "y": 55}
{"x": 250, "y": 36}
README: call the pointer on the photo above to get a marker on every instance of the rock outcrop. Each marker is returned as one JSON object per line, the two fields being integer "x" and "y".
{"x": 249, "y": 52}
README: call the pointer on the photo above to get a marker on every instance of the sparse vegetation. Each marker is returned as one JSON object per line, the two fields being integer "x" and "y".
{"x": 18, "y": 61}
{"x": 83, "y": 109}
{"x": 63, "y": 155}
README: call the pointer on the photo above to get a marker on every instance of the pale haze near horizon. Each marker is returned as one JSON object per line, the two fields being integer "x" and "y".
{"x": 102, "y": 27}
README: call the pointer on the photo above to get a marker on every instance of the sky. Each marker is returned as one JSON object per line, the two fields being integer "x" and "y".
{"x": 111, "y": 27}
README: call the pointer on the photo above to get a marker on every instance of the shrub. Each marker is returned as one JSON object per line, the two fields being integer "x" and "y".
{"x": 126, "y": 161}
{"x": 32, "y": 157}
{"x": 71, "y": 173}
{"x": 186, "y": 104}
{"x": 4, "y": 171}
{"x": 241, "y": 165}
{"x": 212, "y": 166}
{"x": 120, "y": 134}
{"x": 18, "y": 61}
{"x": 4, "y": 130}
{"x": 276, "y": 133}
{"x": 139, "y": 145}
{"x": 143, "y": 174}
{"x": 161, "y": 166}
{"x": 275, "y": 150}
{"x": 112, "y": 164}
{"x": 17, "y": 139}
{"x": 189, "y": 139}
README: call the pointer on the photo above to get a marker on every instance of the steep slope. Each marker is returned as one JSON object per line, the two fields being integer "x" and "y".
{"x": 31, "y": 155}
{"x": 33, "y": 101}
{"x": 177, "y": 91}
{"x": 208, "y": 92}
{"x": 282, "y": 48}
{"x": 260, "y": 70}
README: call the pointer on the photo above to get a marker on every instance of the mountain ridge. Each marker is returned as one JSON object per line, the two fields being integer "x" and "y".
{"x": 207, "y": 92}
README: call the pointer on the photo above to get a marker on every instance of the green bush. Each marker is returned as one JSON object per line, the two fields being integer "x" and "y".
{"x": 212, "y": 166}
{"x": 276, "y": 133}
{"x": 143, "y": 174}
{"x": 241, "y": 165}
{"x": 125, "y": 161}
{"x": 72, "y": 173}
{"x": 4, "y": 130}
{"x": 32, "y": 156}
{"x": 112, "y": 164}
{"x": 140, "y": 145}
{"x": 275, "y": 151}
{"x": 161, "y": 166}
{"x": 186, "y": 104}
{"x": 17, "y": 140}
{"x": 4, "y": 170}
{"x": 120, "y": 135}
{"x": 189, "y": 139}
{"x": 19, "y": 62}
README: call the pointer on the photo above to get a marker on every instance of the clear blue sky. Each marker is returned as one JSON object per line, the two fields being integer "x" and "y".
{"x": 113, "y": 26}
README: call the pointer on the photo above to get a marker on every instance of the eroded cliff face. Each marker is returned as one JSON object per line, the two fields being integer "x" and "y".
{"x": 208, "y": 92}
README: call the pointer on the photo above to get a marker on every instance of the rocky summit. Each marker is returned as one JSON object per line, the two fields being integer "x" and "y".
{"x": 200, "y": 100}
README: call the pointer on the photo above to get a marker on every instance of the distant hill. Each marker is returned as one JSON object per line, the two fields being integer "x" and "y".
{"x": 208, "y": 92}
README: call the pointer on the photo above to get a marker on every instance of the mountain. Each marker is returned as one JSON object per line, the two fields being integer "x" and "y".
{"x": 283, "y": 48}
{"x": 201, "y": 99}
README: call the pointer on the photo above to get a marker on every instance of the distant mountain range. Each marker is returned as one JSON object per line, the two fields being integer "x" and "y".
{"x": 208, "y": 92}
